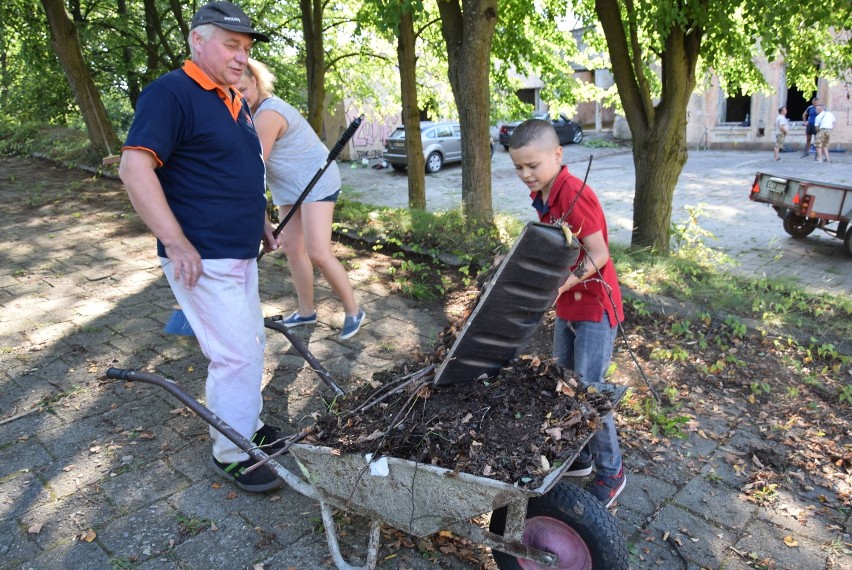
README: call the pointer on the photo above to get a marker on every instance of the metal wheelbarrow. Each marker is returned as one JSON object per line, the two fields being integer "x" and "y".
{"x": 556, "y": 525}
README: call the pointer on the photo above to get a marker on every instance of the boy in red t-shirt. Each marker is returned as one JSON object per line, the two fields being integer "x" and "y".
{"x": 588, "y": 308}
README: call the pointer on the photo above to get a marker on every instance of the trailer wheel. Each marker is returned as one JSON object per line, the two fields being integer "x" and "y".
{"x": 569, "y": 522}
{"x": 847, "y": 241}
{"x": 799, "y": 227}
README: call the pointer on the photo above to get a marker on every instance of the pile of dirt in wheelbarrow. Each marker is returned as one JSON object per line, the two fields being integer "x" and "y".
{"x": 514, "y": 427}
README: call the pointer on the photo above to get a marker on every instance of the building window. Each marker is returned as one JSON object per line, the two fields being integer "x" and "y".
{"x": 737, "y": 109}
{"x": 528, "y": 96}
{"x": 798, "y": 101}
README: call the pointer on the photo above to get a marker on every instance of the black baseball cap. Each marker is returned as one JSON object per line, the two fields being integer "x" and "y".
{"x": 227, "y": 16}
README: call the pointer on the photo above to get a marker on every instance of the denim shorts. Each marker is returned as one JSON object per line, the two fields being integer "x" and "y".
{"x": 331, "y": 198}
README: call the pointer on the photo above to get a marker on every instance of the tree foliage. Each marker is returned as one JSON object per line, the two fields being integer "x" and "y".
{"x": 660, "y": 50}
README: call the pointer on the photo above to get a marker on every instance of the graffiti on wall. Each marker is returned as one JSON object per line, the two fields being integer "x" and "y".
{"x": 369, "y": 140}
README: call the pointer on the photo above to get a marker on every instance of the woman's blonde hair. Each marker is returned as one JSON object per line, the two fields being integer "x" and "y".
{"x": 265, "y": 78}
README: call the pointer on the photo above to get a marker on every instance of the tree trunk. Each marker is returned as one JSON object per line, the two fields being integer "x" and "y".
{"x": 657, "y": 163}
{"x": 406, "y": 41}
{"x": 134, "y": 88}
{"x": 659, "y": 131}
{"x": 312, "y": 11}
{"x": 66, "y": 44}
{"x": 468, "y": 36}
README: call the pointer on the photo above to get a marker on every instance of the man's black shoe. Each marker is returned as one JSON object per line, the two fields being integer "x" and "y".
{"x": 257, "y": 481}
{"x": 267, "y": 439}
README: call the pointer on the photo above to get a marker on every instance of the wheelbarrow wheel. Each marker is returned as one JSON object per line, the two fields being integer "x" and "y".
{"x": 571, "y": 523}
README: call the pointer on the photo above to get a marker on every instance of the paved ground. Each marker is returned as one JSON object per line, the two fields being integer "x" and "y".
{"x": 99, "y": 474}
{"x": 718, "y": 182}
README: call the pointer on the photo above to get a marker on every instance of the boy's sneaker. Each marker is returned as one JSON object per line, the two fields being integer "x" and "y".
{"x": 267, "y": 439}
{"x": 296, "y": 320}
{"x": 580, "y": 468}
{"x": 352, "y": 325}
{"x": 607, "y": 487}
{"x": 258, "y": 481}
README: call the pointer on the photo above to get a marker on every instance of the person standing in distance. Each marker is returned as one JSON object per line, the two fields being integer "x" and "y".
{"x": 809, "y": 118}
{"x": 293, "y": 152}
{"x": 193, "y": 169}
{"x": 782, "y": 126}
{"x": 824, "y": 124}
{"x": 588, "y": 305}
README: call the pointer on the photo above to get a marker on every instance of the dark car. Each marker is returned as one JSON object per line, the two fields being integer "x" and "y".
{"x": 567, "y": 130}
{"x": 441, "y": 144}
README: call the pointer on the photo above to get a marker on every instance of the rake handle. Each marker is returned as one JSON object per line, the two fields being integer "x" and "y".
{"x": 335, "y": 152}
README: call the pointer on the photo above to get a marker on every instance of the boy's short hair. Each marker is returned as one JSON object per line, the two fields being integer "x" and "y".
{"x": 534, "y": 131}
{"x": 781, "y": 108}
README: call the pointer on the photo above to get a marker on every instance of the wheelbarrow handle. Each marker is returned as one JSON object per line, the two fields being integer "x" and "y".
{"x": 332, "y": 156}
{"x": 216, "y": 422}
{"x": 275, "y": 323}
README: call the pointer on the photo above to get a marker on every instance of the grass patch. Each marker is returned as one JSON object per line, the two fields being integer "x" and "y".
{"x": 601, "y": 143}
{"x": 428, "y": 233}
{"x": 694, "y": 272}
{"x": 67, "y": 146}
{"x": 780, "y": 303}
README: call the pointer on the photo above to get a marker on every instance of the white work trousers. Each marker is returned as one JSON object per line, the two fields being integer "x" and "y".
{"x": 224, "y": 311}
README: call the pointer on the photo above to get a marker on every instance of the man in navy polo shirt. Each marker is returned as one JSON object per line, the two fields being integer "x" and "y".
{"x": 194, "y": 172}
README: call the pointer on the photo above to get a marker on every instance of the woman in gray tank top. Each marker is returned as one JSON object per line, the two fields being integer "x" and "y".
{"x": 293, "y": 154}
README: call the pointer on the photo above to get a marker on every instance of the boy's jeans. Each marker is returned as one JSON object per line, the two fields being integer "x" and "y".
{"x": 586, "y": 348}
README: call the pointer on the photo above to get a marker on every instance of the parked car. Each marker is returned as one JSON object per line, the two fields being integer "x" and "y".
{"x": 441, "y": 144}
{"x": 567, "y": 130}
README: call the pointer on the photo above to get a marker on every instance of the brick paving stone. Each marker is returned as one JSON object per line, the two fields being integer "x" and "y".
{"x": 20, "y": 493}
{"x": 16, "y": 548}
{"x": 79, "y": 555}
{"x": 141, "y": 535}
{"x": 712, "y": 541}
{"x": 718, "y": 503}
{"x": 767, "y": 541}
{"x": 801, "y": 517}
{"x": 65, "y": 520}
{"x": 647, "y": 494}
{"x": 234, "y": 544}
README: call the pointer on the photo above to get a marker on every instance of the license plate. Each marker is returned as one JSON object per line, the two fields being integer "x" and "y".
{"x": 776, "y": 186}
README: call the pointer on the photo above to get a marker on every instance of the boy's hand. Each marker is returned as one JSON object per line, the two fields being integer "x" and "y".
{"x": 570, "y": 282}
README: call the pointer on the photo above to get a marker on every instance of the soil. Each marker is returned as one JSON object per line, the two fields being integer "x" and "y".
{"x": 515, "y": 427}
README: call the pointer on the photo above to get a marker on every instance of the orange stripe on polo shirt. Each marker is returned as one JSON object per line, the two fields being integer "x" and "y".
{"x": 154, "y": 154}
{"x": 204, "y": 81}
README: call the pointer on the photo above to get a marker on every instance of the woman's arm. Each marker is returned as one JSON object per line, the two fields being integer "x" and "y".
{"x": 270, "y": 126}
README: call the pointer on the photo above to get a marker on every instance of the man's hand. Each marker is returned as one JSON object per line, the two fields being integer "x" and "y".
{"x": 186, "y": 261}
{"x": 270, "y": 241}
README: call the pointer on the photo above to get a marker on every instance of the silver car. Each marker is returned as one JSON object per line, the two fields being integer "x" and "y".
{"x": 441, "y": 144}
